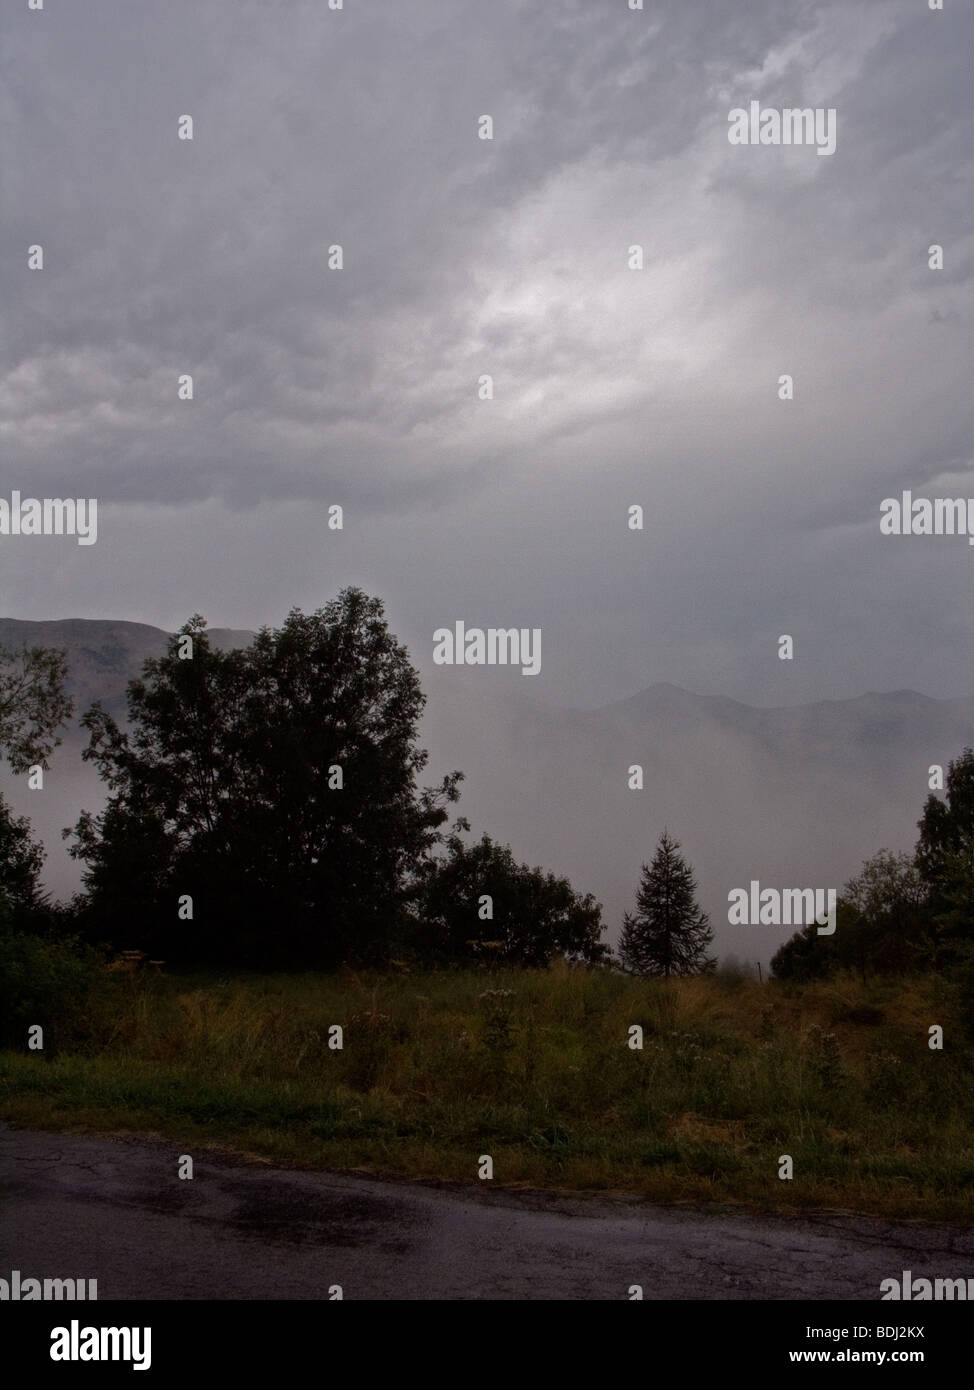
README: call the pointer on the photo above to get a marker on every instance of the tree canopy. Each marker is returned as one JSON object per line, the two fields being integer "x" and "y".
{"x": 33, "y": 704}
{"x": 478, "y": 903}
{"x": 264, "y": 806}
{"x": 33, "y": 707}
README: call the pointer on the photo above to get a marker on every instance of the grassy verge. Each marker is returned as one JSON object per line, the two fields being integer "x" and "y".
{"x": 534, "y": 1069}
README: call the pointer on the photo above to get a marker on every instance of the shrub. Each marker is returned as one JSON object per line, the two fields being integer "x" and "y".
{"x": 48, "y": 982}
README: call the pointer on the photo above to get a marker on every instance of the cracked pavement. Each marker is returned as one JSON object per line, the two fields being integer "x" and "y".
{"x": 114, "y": 1209}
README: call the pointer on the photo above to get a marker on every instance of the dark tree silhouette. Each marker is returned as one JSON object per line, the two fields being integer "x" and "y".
{"x": 668, "y": 934}
{"x": 21, "y": 860}
{"x": 275, "y": 787}
{"x": 947, "y": 824}
{"x": 33, "y": 706}
{"x": 533, "y": 916}
{"x": 945, "y": 860}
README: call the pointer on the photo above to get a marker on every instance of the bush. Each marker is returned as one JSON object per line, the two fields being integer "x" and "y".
{"x": 48, "y": 982}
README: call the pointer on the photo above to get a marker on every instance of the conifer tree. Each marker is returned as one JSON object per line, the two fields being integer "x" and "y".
{"x": 668, "y": 934}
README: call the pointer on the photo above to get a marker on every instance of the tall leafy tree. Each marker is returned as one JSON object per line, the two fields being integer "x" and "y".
{"x": 33, "y": 707}
{"x": 274, "y": 786}
{"x": 945, "y": 861}
{"x": 882, "y": 926}
{"x": 33, "y": 704}
{"x": 947, "y": 824}
{"x": 21, "y": 861}
{"x": 668, "y": 934}
{"x": 945, "y": 856}
{"x": 886, "y": 927}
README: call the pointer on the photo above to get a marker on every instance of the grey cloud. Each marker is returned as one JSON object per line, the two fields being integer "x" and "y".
{"x": 464, "y": 257}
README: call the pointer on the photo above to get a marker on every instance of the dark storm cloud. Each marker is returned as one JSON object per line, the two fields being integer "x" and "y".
{"x": 465, "y": 257}
{"x": 315, "y": 127}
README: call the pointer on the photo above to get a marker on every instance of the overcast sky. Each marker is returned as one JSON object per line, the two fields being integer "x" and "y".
{"x": 465, "y": 257}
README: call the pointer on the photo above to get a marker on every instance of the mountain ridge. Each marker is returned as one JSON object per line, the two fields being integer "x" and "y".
{"x": 14, "y": 632}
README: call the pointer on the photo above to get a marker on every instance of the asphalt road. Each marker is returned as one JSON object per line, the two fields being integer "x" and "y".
{"x": 114, "y": 1210}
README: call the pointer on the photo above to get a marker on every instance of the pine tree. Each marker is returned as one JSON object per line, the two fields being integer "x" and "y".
{"x": 668, "y": 934}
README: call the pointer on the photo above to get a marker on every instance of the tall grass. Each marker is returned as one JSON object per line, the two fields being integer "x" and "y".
{"x": 534, "y": 1068}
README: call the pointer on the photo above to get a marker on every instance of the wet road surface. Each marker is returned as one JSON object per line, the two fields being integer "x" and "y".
{"x": 115, "y": 1210}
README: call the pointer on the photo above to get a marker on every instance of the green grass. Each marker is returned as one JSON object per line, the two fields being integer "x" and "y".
{"x": 437, "y": 1069}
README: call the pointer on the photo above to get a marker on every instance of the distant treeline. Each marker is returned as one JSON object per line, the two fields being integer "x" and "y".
{"x": 265, "y": 809}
